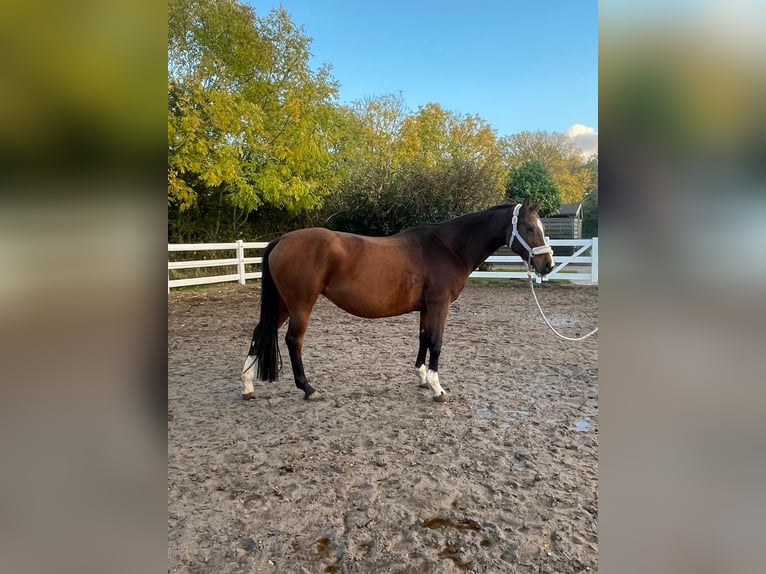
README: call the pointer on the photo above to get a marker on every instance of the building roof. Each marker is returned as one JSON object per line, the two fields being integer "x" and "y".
{"x": 569, "y": 210}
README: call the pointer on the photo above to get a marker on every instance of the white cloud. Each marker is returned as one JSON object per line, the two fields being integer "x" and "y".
{"x": 585, "y": 138}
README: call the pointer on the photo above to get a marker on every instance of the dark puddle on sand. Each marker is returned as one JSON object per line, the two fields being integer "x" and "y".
{"x": 450, "y": 551}
{"x": 325, "y": 550}
{"x": 324, "y": 546}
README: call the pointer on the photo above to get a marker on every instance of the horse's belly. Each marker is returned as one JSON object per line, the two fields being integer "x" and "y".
{"x": 375, "y": 299}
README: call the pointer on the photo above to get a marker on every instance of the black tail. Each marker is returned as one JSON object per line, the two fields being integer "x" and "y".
{"x": 265, "y": 345}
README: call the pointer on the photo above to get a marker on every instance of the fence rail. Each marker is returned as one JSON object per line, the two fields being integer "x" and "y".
{"x": 587, "y": 265}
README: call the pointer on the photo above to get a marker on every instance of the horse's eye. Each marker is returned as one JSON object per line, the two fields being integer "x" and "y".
{"x": 529, "y": 229}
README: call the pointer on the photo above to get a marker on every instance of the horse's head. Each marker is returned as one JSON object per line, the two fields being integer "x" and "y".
{"x": 526, "y": 238}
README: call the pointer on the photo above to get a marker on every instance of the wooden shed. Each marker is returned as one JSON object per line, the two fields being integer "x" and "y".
{"x": 566, "y": 224}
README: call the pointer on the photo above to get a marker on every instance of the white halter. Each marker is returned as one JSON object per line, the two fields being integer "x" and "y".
{"x": 515, "y": 234}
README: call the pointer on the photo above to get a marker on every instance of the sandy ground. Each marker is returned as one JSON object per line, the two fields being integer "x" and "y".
{"x": 377, "y": 477}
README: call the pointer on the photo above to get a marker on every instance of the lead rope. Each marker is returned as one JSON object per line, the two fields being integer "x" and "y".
{"x": 532, "y": 286}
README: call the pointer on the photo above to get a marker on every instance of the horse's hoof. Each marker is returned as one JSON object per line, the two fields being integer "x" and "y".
{"x": 443, "y": 398}
{"x": 315, "y": 396}
{"x": 248, "y": 396}
{"x": 424, "y": 386}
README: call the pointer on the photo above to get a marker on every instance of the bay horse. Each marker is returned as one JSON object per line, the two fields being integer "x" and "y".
{"x": 423, "y": 268}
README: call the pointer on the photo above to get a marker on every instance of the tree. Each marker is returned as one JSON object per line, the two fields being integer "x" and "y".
{"x": 559, "y": 154}
{"x": 250, "y": 124}
{"x": 378, "y": 133}
{"x": 433, "y": 137}
{"x": 408, "y": 168}
{"x": 461, "y": 147}
{"x": 209, "y": 133}
{"x": 532, "y": 180}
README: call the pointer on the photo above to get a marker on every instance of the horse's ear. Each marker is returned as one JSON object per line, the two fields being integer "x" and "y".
{"x": 527, "y": 202}
{"x": 536, "y": 207}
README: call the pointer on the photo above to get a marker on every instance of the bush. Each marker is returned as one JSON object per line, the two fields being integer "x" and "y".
{"x": 380, "y": 203}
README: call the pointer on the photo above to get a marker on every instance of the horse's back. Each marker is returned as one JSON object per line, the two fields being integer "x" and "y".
{"x": 346, "y": 250}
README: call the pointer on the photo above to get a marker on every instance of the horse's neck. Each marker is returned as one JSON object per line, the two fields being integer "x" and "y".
{"x": 474, "y": 237}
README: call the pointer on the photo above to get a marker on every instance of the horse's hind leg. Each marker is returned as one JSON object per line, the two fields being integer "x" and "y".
{"x": 249, "y": 368}
{"x": 296, "y": 329}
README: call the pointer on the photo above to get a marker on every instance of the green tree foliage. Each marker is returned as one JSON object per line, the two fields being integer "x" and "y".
{"x": 532, "y": 180}
{"x": 560, "y": 156}
{"x": 249, "y": 122}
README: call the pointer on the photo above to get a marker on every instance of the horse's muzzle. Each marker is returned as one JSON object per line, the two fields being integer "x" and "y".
{"x": 544, "y": 267}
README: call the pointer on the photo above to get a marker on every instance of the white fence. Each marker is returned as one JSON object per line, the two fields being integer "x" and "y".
{"x": 586, "y": 265}
{"x": 578, "y": 260}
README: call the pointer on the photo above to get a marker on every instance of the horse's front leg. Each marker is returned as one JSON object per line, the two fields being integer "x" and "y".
{"x": 435, "y": 320}
{"x": 420, "y": 361}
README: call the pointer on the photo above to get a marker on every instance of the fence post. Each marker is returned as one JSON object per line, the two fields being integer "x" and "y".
{"x": 241, "y": 261}
{"x": 594, "y": 261}
{"x": 539, "y": 279}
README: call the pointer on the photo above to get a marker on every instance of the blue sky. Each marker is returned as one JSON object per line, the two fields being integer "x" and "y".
{"x": 519, "y": 64}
